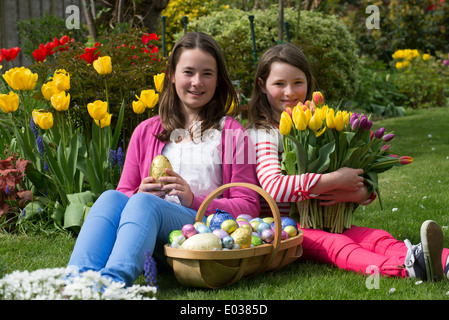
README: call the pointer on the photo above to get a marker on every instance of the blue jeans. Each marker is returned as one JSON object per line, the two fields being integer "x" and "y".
{"x": 119, "y": 230}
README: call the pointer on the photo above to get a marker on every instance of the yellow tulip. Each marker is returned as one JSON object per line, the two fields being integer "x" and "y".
{"x": 49, "y": 89}
{"x": 43, "y": 119}
{"x": 338, "y": 121}
{"x": 103, "y": 65}
{"x": 61, "y": 79}
{"x": 316, "y": 122}
{"x": 308, "y": 115}
{"x": 21, "y": 78}
{"x": 60, "y": 101}
{"x": 324, "y": 110}
{"x": 159, "y": 81}
{"x": 97, "y": 109}
{"x": 299, "y": 118}
{"x": 148, "y": 97}
{"x": 399, "y": 54}
{"x": 285, "y": 125}
{"x": 138, "y": 107}
{"x": 330, "y": 119}
{"x": 105, "y": 121}
{"x": 9, "y": 102}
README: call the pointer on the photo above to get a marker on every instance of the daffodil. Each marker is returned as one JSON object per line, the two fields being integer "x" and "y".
{"x": 285, "y": 124}
{"x": 103, "y": 65}
{"x": 60, "y": 101}
{"x": 149, "y": 98}
{"x": 159, "y": 81}
{"x": 97, "y": 109}
{"x": 21, "y": 78}
{"x": 138, "y": 107}
{"x": 105, "y": 121}
{"x": 43, "y": 119}
{"x": 49, "y": 89}
{"x": 9, "y": 102}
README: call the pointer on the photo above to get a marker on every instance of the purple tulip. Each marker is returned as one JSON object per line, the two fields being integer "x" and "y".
{"x": 446, "y": 63}
{"x": 388, "y": 137}
{"x": 369, "y": 124}
{"x": 363, "y": 122}
{"x": 354, "y": 121}
{"x": 379, "y": 133}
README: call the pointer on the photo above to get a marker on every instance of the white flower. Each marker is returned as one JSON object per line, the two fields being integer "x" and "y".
{"x": 67, "y": 283}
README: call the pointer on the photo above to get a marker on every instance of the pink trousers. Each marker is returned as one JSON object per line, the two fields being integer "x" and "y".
{"x": 359, "y": 249}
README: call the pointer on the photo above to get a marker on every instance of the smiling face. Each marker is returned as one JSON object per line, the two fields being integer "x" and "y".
{"x": 285, "y": 86}
{"x": 195, "y": 79}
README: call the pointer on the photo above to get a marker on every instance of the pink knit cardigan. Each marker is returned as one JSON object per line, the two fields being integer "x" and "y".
{"x": 238, "y": 160}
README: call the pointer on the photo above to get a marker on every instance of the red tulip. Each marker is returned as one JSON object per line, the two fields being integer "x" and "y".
{"x": 10, "y": 54}
{"x": 149, "y": 36}
{"x": 405, "y": 160}
{"x": 89, "y": 54}
{"x": 40, "y": 54}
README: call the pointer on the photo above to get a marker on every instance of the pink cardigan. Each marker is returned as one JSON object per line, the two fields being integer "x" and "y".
{"x": 238, "y": 158}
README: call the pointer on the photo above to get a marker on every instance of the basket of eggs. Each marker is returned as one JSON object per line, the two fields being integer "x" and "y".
{"x": 225, "y": 249}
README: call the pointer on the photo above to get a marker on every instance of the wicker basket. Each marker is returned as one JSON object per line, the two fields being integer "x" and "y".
{"x": 216, "y": 269}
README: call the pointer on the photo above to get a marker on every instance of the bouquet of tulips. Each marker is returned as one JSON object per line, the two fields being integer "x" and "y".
{"x": 321, "y": 139}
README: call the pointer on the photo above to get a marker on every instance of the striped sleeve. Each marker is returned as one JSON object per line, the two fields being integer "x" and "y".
{"x": 283, "y": 188}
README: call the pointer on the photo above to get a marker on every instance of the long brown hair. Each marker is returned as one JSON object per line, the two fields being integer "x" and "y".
{"x": 260, "y": 113}
{"x": 170, "y": 105}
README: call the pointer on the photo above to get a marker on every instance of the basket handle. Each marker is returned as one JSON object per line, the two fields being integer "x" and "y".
{"x": 273, "y": 206}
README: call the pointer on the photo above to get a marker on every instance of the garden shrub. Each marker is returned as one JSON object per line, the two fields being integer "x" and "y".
{"x": 192, "y": 9}
{"x": 326, "y": 42}
{"x": 415, "y": 24}
{"x": 421, "y": 77}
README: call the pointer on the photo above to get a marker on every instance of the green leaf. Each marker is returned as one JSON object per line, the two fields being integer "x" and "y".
{"x": 118, "y": 127}
{"x": 301, "y": 155}
{"x": 76, "y": 211}
{"x": 321, "y": 164}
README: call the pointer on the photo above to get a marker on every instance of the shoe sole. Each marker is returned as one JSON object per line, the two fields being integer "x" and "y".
{"x": 432, "y": 240}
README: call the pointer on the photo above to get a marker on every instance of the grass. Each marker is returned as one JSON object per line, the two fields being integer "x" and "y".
{"x": 410, "y": 195}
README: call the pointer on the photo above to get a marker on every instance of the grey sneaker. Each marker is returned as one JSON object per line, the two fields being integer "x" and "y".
{"x": 424, "y": 260}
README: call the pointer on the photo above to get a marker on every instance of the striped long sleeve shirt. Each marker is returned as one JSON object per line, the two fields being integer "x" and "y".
{"x": 283, "y": 188}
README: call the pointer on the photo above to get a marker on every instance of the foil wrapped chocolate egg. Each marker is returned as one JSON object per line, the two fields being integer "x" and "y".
{"x": 174, "y": 236}
{"x": 228, "y": 242}
{"x": 218, "y": 218}
{"x": 242, "y": 237}
{"x": 188, "y": 231}
{"x": 291, "y": 230}
{"x": 262, "y": 226}
{"x": 158, "y": 166}
{"x": 202, "y": 228}
{"x": 256, "y": 240}
{"x": 267, "y": 235}
{"x": 220, "y": 233}
{"x": 229, "y": 225}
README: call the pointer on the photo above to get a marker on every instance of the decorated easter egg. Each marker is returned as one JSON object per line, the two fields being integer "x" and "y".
{"x": 220, "y": 233}
{"x": 254, "y": 224}
{"x": 174, "y": 235}
{"x": 202, "y": 228}
{"x": 218, "y": 218}
{"x": 284, "y": 235}
{"x": 291, "y": 230}
{"x": 188, "y": 230}
{"x": 268, "y": 220}
{"x": 256, "y": 240}
{"x": 229, "y": 225}
{"x": 262, "y": 226}
{"x": 208, "y": 219}
{"x": 202, "y": 241}
{"x": 267, "y": 235}
{"x": 158, "y": 166}
{"x": 244, "y": 224}
{"x": 228, "y": 242}
{"x": 242, "y": 237}
{"x": 287, "y": 221}
{"x": 244, "y": 216}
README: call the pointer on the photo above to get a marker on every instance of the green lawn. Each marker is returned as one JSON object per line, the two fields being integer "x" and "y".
{"x": 410, "y": 195}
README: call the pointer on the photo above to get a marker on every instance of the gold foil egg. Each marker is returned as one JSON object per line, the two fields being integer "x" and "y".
{"x": 158, "y": 166}
{"x": 242, "y": 237}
